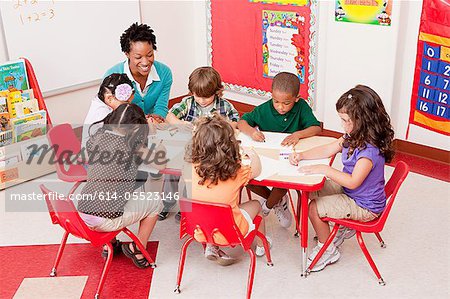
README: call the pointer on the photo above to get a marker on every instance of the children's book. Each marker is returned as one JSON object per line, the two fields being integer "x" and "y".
{"x": 26, "y": 107}
{"x": 3, "y": 105}
{"x": 5, "y": 124}
{"x": 13, "y": 98}
{"x": 6, "y": 138}
{"x": 29, "y": 126}
{"x": 13, "y": 76}
{"x": 27, "y": 95}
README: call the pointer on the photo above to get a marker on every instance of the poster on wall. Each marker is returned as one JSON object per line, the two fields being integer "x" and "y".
{"x": 279, "y": 51}
{"x": 375, "y": 12}
{"x": 430, "y": 97}
{"x": 250, "y": 41}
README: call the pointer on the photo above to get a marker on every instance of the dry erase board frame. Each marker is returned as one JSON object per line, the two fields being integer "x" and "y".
{"x": 71, "y": 44}
{"x": 308, "y": 90}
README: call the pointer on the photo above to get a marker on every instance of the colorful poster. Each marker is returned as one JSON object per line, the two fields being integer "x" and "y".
{"x": 375, "y": 12}
{"x": 280, "y": 54}
{"x": 430, "y": 98}
{"x": 13, "y": 76}
{"x": 283, "y": 2}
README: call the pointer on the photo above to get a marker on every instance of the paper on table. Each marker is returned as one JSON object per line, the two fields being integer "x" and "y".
{"x": 176, "y": 134}
{"x": 287, "y": 169}
{"x": 267, "y": 168}
{"x": 273, "y": 140}
{"x": 173, "y": 151}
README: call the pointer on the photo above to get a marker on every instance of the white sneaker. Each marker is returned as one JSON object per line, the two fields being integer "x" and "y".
{"x": 214, "y": 253}
{"x": 330, "y": 256}
{"x": 342, "y": 234}
{"x": 282, "y": 211}
{"x": 260, "y": 251}
{"x": 264, "y": 209}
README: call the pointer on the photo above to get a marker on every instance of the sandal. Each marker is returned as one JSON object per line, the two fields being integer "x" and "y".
{"x": 140, "y": 263}
{"x": 117, "y": 249}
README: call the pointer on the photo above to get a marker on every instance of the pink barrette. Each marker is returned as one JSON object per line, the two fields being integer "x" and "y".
{"x": 123, "y": 92}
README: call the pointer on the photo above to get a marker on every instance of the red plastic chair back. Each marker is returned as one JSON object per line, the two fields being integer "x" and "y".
{"x": 66, "y": 146}
{"x": 391, "y": 188}
{"x": 210, "y": 218}
{"x": 64, "y": 213}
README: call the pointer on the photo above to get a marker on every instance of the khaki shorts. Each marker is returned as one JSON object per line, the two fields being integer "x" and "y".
{"x": 334, "y": 203}
{"x": 134, "y": 211}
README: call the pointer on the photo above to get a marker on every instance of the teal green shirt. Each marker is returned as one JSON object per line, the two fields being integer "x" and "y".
{"x": 155, "y": 97}
{"x": 267, "y": 118}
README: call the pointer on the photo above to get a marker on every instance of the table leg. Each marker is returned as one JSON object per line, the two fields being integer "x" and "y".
{"x": 297, "y": 215}
{"x": 304, "y": 229}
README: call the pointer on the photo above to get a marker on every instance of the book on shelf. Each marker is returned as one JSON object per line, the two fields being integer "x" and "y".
{"x": 5, "y": 124}
{"x": 29, "y": 126}
{"x": 26, "y": 107}
{"x": 6, "y": 138}
{"x": 13, "y": 98}
{"x": 13, "y": 75}
{"x": 3, "y": 104}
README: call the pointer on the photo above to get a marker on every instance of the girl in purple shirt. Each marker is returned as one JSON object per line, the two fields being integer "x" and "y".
{"x": 356, "y": 192}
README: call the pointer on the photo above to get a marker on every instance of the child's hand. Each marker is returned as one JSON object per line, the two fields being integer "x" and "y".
{"x": 290, "y": 140}
{"x": 156, "y": 118}
{"x": 258, "y": 136}
{"x": 294, "y": 158}
{"x": 188, "y": 126}
{"x": 315, "y": 169}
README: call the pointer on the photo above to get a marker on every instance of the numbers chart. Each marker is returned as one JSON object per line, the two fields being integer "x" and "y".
{"x": 434, "y": 88}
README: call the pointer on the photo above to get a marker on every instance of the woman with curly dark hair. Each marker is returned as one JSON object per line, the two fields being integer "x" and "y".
{"x": 216, "y": 172}
{"x": 151, "y": 79}
{"x": 357, "y": 192}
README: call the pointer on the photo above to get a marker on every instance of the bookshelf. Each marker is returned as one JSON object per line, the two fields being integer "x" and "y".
{"x": 16, "y": 166}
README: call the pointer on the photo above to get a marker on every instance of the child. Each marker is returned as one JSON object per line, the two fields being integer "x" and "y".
{"x": 357, "y": 192}
{"x": 114, "y": 155}
{"x": 205, "y": 87}
{"x": 285, "y": 113}
{"x": 116, "y": 89}
{"x": 215, "y": 173}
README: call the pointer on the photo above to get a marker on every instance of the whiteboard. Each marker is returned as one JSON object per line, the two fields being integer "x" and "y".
{"x": 69, "y": 43}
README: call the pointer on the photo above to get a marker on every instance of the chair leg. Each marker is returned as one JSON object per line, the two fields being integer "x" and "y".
{"x": 322, "y": 250}
{"x": 382, "y": 244}
{"x": 105, "y": 270}
{"x": 251, "y": 272}
{"x": 369, "y": 258}
{"x": 72, "y": 190}
{"x": 141, "y": 247}
{"x": 59, "y": 254}
{"x": 266, "y": 248}
{"x": 249, "y": 193}
{"x": 181, "y": 264}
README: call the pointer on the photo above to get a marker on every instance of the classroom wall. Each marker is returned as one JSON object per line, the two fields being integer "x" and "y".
{"x": 181, "y": 42}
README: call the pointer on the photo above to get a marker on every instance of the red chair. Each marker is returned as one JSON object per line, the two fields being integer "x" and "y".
{"x": 66, "y": 147}
{"x": 64, "y": 213}
{"x": 375, "y": 226}
{"x": 212, "y": 218}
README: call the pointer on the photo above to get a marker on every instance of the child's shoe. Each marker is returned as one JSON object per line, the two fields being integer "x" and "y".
{"x": 264, "y": 209}
{"x": 214, "y": 253}
{"x": 282, "y": 211}
{"x": 260, "y": 251}
{"x": 342, "y": 234}
{"x": 330, "y": 256}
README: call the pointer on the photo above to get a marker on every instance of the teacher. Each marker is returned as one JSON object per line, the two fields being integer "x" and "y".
{"x": 151, "y": 79}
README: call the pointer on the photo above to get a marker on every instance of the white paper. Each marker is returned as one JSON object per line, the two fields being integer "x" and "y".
{"x": 267, "y": 168}
{"x": 273, "y": 141}
{"x": 174, "y": 135}
{"x": 285, "y": 168}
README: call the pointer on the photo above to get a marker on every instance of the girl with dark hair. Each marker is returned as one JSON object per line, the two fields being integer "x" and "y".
{"x": 151, "y": 79}
{"x": 357, "y": 192}
{"x": 216, "y": 172}
{"x": 116, "y": 89}
{"x": 115, "y": 152}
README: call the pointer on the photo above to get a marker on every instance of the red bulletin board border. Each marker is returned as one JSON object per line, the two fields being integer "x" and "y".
{"x": 235, "y": 45}
{"x": 435, "y": 31}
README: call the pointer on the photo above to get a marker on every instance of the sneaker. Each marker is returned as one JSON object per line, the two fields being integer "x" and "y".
{"x": 342, "y": 234}
{"x": 264, "y": 209}
{"x": 260, "y": 251}
{"x": 155, "y": 176}
{"x": 330, "y": 256}
{"x": 282, "y": 211}
{"x": 178, "y": 217}
{"x": 162, "y": 215}
{"x": 214, "y": 253}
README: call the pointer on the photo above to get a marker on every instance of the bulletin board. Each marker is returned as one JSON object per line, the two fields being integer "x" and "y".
{"x": 430, "y": 100}
{"x": 250, "y": 41}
